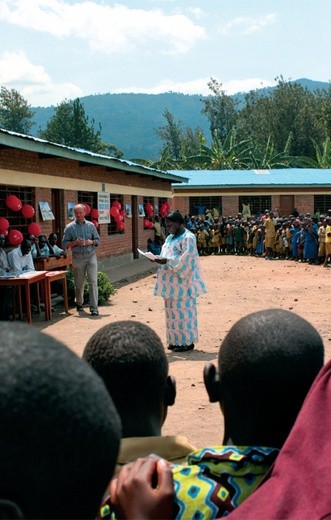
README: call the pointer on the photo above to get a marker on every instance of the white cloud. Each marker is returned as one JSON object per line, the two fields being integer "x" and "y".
{"x": 111, "y": 29}
{"x": 200, "y": 86}
{"x": 33, "y": 82}
{"x": 246, "y": 25}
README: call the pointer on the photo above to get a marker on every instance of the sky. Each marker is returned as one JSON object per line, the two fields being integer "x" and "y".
{"x": 52, "y": 50}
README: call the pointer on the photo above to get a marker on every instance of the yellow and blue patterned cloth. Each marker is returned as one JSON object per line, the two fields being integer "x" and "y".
{"x": 218, "y": 479}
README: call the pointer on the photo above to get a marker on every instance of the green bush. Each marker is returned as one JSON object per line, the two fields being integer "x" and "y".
{"x": 105, "y": 288}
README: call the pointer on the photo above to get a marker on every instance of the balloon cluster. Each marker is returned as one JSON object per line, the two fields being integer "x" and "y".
{"x": 148, "y": 224}
{"x": 118, "y": 214}
{"x": 15, "y": 237}
{"x": 149, "y": 210}
{"x": 164, "y": 209}
{"x": 93, "y": 213}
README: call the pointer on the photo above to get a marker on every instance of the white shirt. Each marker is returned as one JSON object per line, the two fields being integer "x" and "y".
{"x": 20, "y": 263}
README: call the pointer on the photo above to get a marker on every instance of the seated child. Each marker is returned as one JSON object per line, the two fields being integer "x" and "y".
{"x": 153, "y": 247}
{"x": 59, "y": 430}
{"x": 57, "y": 251}
{"x": 266, "y": 365}
{"x": 41, "y": 248}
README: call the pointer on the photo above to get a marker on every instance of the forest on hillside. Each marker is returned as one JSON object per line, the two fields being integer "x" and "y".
{"x": 284, "y": 126}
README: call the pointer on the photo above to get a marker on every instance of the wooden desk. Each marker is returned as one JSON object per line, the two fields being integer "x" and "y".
{"x": 26, "y": 280}
{"x": 52, "y": 276}
{"x": 53, "y": 263}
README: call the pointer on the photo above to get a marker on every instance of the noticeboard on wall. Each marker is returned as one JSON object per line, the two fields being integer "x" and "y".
{"x": 104, "y": 207}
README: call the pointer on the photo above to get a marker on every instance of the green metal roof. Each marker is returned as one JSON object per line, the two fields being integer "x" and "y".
{"x": 34, "y": 144}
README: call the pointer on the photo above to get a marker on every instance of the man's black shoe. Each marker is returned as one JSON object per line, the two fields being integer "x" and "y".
{"x": 171, "y": 347}
{"x": 79, "y": 308}
{"x": 94, "y": 312}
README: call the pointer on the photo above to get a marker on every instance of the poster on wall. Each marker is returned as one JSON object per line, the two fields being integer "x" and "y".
{"x": 141, "y": 211}
{"x": 46, "y": 212}
{"x": 71, "y": 214}
{"x": 104, "y": 207}
{"x": 128, "y": 210}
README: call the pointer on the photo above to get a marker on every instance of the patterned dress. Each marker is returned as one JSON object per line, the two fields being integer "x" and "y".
{"x": 180, "y": 282}
{"x": 218, "y": 479}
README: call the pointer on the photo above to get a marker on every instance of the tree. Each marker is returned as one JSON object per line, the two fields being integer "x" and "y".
{"x": 220, "y": 110}
{"x": 171, "y": 135}
{"x": 15, "y": 112}
{"x": 267, "y": 157}
{"x": 71, "y": 126}
{"x": 227, "y": 154}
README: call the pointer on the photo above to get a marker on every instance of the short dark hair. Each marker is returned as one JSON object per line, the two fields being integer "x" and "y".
{"x": 130, "y": 358}
{"x": 59, "y": 431}
{"x": 267, "y": 363}
{"x": 175, "y": 216}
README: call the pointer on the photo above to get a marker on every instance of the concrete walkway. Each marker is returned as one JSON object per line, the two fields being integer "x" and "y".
{"x": 131, "y": 270}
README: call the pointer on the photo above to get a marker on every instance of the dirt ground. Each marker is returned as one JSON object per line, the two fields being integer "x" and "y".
{"x": 236, "y": 286}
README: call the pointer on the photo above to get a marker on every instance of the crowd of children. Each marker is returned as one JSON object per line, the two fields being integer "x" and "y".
{"x": 299, "y": 237}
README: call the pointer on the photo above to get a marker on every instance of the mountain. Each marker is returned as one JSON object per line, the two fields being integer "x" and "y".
{"x": 129, "y": 121}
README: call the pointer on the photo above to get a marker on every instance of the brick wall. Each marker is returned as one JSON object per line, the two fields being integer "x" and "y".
{"x": 304, "y": 203}
{"x": 181, "y": 204}
{"x": 230, "y": 205}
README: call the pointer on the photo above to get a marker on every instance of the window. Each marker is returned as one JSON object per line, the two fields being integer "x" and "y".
{"x": 322, "y": 203}
{"x": 90, "y": 198}
{"x": 257, "y": 205}
{"x": 15, "y": 218}
{"x": 113, "y": 226}
{"x": 197, "y": 204}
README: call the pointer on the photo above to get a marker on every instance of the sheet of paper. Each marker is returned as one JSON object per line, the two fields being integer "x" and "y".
{"x": 148, "y": 254}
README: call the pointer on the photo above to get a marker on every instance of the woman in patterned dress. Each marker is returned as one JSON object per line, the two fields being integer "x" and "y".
{"x": 179, "y": 281}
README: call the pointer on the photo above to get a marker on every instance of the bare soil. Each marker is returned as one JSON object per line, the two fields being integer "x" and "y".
{"x": 236, "y": 286}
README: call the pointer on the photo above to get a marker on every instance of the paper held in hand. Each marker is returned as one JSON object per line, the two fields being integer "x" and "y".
{"x": 148, "y": 254}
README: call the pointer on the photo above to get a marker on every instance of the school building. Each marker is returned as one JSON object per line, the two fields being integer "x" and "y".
{"x": 52, "y": 178}
{"x": 229, "y": 191}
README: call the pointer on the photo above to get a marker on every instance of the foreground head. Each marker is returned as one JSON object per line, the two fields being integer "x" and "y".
{"x": 267, "y": 363}
{"x": 130, "y": 358}
{"x": 59, "y": 431}
{"x": 2, "y": 240}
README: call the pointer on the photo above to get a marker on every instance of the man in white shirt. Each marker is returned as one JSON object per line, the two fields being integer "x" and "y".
{"x": 20, "y": 259}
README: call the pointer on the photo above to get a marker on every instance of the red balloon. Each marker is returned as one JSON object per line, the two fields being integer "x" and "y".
{"x": 96, "y": 223}
{"x": 87, "y": 208}
{"x": 119, "y": 218}
{"x": 150, "y": 225}
{"x": 34, "y": 229}
{"x": 116, "y": 204}
{"x": 114, "y": 211}
{"x": 4, "y": 224}
{"x": 146, "y": 223}
{"x": 95, "y": 213}
{"x": 122, "y": 212}
{"x": 27, "y": 211}
{"x": 13, "y": 203}
{"x": 15, "y": 237}
{"x": 120, "y": 226}
{"x": 167, "y": 206}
